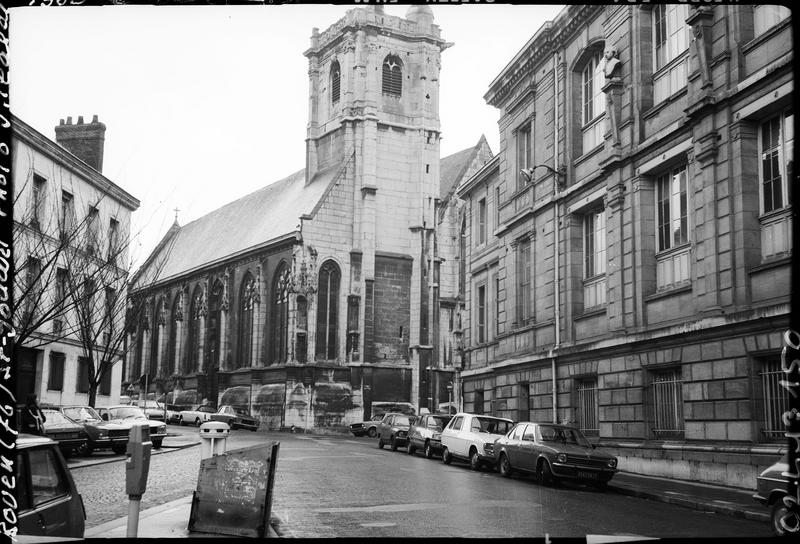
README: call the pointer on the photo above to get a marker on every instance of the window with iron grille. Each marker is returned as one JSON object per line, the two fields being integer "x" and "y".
{"x": 336, "y": 77}
{"x": 105, "y": 381}
{"x": 55, "y": 381}
{"x": 587, "y": 406}
{"x": 392, "y": 76}
{"x": 82, "y": 383}
{"x": 775, "y": 399}
{"x": 667, "y": 396}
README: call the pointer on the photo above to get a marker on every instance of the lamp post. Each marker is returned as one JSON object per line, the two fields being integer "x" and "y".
{"x": 449, "y": 397}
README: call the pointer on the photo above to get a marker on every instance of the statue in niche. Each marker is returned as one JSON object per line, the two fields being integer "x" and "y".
{"x": 612, "y": 66}
{"x": 611, "y": 72}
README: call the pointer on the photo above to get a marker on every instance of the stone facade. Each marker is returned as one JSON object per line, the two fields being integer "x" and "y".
{"x": 643, "y": 256}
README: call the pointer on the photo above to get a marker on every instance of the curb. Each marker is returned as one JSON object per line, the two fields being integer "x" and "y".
{"x": 690, "y": 502}
{"x": 89, "y": 462}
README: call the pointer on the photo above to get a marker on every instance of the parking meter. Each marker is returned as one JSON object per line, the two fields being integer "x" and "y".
{"x": 137, "y": 462}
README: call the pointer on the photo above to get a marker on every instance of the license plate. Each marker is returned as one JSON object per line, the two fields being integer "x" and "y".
{"x": 587, "y": 475}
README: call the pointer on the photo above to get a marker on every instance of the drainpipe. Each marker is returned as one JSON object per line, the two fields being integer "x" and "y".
{"x": 556, "y": 230}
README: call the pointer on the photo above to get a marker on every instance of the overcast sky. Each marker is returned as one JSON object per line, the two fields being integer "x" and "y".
{"x": 205, "y": 104}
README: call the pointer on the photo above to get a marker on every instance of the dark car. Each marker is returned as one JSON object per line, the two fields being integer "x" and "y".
{"x": 426, "y": 434}
{"x": 48, "y": 501}
{"x": 369, "y": 428}
{"x": 772, "y": 490}
{"x": 132, "y": 415}
{"x": 553, "y": 452}
{"x": 393, "y": 430}
{"x": 101, "y": 434}
{"x": 69, "y": 435}
{"x": 237, "y": 417}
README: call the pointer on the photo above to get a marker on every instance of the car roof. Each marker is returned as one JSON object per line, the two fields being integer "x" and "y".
{"x": 486, "y": 416}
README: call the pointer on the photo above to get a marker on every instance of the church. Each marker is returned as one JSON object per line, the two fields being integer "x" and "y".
{"x": 337, "y": 291}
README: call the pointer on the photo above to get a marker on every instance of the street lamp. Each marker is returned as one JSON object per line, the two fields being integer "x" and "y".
{"x": 560, "y": 174}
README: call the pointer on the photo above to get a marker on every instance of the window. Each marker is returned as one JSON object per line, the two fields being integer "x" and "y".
{"x": 667, "y": 403}
{"x": 105, "y": 381}
{"x": 523, "y": 402}
{"x": 61, "y": 289}
{"x": 767, "y": 16}
{"x": 670, "y": 43}
{"x": 172, "y": 341}
{"x": 496, "y": 207}
{"x": 245, "y": 347}
{"x": 776, "y": 147}
{"x": 67, "y": 216}
{"x": 478, "y": 408}
{"x": 155, "y": 337}
{"x": 481, "y": 317}
{"x": 38, "y": 200}
{"x": 280, "y": 314}
{"x": 55, "y": 381}
{"x": 91, "y": 230}
{"x": 673, "y": 229}
{"x": 336, "y": 78}
{"x": 87, "y": 299}
{"x": 481, "y": 221}
{"x": 457, "y": 422}
{"x": 47, "y": 479}
{"x": 775, "y": 399}
{"x": 111, "y": 300}
{"x": 523, "y": 281}
{"x": 524, "y": 151}
{"x": 82, "y": 383}
{"x": 594, "y": 253}
{"x": 593, "y": 101}
{"x": 392, "y": 76}
{"x": 327, "y": 311}
{"x": 113, "y": 240}
{"x": 587, "y": 406}
{"x": 496, "y": 305}
{"x": 33, "y": 285}
{"x": 213, "y": 329}
{"x": 193, "y": 355}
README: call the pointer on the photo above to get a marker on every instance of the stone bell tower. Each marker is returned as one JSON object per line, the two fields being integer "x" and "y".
{"x": 374, "y": 114}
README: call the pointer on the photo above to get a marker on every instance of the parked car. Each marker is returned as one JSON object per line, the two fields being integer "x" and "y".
{"x": 426, "y": 434}
{"x": 49, "y": 504}
{"x": 772, "y": 489}
{"x": 101, "y": 434}
{"x": 553, "y": 452}
{"x": 470, "y": 437}
{"x": 369, "y": 428}
{"x": 235, "y": 417}
{"x": 131, "y": 414}
{"x": 152, "y": 409}
{"x": 393, "y": 430}
{"x": 174, "y": 412}
{"x": 198, "y": 416}
{"x": 69, "y": 435}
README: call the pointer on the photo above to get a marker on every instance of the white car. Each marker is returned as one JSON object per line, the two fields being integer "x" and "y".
{"x": 470, "y": 437}
{"x": 197, "y": 417}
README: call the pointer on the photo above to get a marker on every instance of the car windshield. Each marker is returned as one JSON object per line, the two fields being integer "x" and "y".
{"x": 437, "y": 422}
{"x": 150, "y": 404}
{"x": 563, "y": 436}
{"x": 206, "y": 409}
{"x": 125, "y": 412}
{"x": 240, "y": 410}
{"x": 491, "y": 425}
{"x": 82, "y": 413}
{"x": 55, "y": 417}
{"x": 402, "y": 420}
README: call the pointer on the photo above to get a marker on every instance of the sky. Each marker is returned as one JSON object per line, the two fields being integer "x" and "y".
{"x": 205, "y": 104}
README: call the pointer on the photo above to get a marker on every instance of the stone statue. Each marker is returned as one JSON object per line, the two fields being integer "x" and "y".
{"x": 612, "y": 62}
{"x": 611, "y": 72}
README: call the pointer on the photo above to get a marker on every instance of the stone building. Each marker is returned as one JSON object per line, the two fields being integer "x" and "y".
{"x": 315, "y": 297}
{"x": 70, "y": 221}
{"x": 629, "y": 249}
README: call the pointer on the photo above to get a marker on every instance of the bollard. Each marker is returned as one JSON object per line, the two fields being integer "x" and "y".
{"x": 213, "y": 435}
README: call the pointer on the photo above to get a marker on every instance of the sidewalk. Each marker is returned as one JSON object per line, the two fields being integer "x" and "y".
{"x": 172, "y": 442}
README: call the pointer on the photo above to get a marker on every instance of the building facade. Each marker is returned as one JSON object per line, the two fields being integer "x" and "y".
{"x": 629, "y": 249}
{"x": 71, "y": 231}
{"x": 317, "y": 297}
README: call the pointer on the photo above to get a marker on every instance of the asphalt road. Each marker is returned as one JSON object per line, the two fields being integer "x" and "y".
{"x": 347, "y": 487}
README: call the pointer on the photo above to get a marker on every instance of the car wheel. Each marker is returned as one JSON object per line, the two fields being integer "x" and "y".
{"x": 410, "y": 449}
{"x": 393, "y": 444}
{"x": 119, "y": 449}
{"x": 180, "y": 421}
{"x": 84, "y": 450}
{"x": 380, "y": 444}
{"x": 784, "y": 521}
{"x": 197, "y": 422}
{"x": 428, "y": 450}
{"x": 157, "y": 444}
{"x": 373, "y": 432}
{"x": 446, "y": 457}
{"x": 474, "y": 460}
{"x": 545, "y": 474}
{"x": 504, "y": 466}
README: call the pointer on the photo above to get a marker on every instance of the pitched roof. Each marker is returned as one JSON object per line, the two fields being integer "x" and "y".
{"x": 453, "y": 167}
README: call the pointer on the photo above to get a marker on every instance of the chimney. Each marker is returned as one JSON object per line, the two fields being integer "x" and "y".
{"x": 84, "y": 140}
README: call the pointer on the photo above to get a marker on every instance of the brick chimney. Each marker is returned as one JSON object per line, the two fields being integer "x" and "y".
{"x": 84, "y": 140}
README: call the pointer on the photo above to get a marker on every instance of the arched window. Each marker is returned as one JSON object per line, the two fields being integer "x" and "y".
{"x": 327, "y": 311}
{"x": 155, "y": 338}
{"x": 280, "y": 314}
{"x": 336, "y": 80}
{"x": 193, "y": 349}
{"x": 592, "y": 101}
{"x": 172, "y": 340}
{"x": 392, "y": 76}
{"x": 245, "y": 347}
{"x": 214, "y": 307}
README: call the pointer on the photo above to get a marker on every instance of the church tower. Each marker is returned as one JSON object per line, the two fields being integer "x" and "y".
{"x": 374, "y": 129}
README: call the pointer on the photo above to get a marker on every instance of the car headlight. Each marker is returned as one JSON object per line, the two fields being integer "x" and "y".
{"x": 562, "y": 458}
{"x": 102, "y": 434}
{"x": 612, "y": 463}
{"x": 488, "y": 449}
{"x": 437, "y": 436}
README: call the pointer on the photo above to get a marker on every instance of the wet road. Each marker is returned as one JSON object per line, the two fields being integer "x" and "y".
{"x": 347, "y": 487}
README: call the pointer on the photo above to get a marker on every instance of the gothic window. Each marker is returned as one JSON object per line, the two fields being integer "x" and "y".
{"x": 336, "y": 80}
{"x": 214, "y": 313}
{"x": 327, "y": 311}
{"x": 245, "y": 347}
{"x": 392, "y": 76}
{"x": 193, "y": 349}
{"x": 280, "y": 314}
{"x": 172, "y": 342}
{"x": 155, "y": 337}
